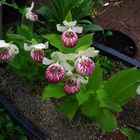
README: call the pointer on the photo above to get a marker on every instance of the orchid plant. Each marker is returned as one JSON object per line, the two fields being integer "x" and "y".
{"x": 70, "y": 65}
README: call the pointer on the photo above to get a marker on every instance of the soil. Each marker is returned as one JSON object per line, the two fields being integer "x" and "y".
{"x": 25, "y": 96}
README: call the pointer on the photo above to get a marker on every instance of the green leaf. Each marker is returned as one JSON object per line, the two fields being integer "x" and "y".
{"x": 16, "y": 38}
{"x": 96, "y": 79}
{"x": 130, "y": 134}
{"x": 106, "y": 121}
{"x": 102, "y": 97}
{"x": 85, "y": 40}
{"x": 91, "y": 107}
{"x": 92, "y": 28}
{"x": 122, "y": 86}
{"x": 83, "y": 95}
{"x": 55, "y": 40}
{"x": 43, "y": 10}
{"x": 69, "y": 106}
{"x": 53, "y": 90}
{"x": 2, "y": 137}
{"x": 69, "y": 17}
{"x": 24, "y": 31}
{"x": 108, "y": 33}
{"x": 85, "y": 22}
{"x": 2, "y": 121}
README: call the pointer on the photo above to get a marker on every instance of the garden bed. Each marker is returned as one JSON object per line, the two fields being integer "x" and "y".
{"x": 97, "y": 99}
{"x": 25, "y": 96}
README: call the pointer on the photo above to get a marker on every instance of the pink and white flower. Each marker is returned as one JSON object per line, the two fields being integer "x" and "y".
{"x": 73, "y": 84}
{"x": 9, "y": 51}
{"x": 37, "y": 51}
{"x": 31, "y": 15}
{"x": 58, "y": 67}
{"x": 83, "y": 64}
{"x": 55, "y": 73}
{"x": 70, "y": 30}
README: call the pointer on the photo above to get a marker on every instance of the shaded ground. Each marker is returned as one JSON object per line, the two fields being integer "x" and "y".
{"x": 123, "y": 16}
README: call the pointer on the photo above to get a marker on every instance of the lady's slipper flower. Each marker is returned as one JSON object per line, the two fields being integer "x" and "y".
{"x": 73, "y": 84}
{"x": 70, "y": 30}
{"x": 37, "y": 51}
{"x": 9, "y": 51}
{"x": 31, "y": 15}
{"x": 83, "y": 64}
{"x": 56, "y": 71}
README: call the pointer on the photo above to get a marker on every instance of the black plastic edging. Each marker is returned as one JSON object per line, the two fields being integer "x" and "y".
{"x": 22, "y": 121}
{"x": 117, "y": 54}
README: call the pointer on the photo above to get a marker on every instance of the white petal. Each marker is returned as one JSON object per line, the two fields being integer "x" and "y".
{"x": 32, "y": 6}
{"x": 11, "y": 52}
{"x": 3, "y": 44}
{"x": 69, "y": 73}
{"x": 67, "y": 66}
{"x": 71, "y": 56}
{"x": 77, "y": 29}
{"x": 39, "y": 46}
{"x": 61, "y": 28}
{"x": 27, "y": 47}
{"x": 58, "y": 56}
{"x": 15, "y": 48}
{"x": 46, "y": 45}
{"x": 70, "y": 24}
{"x": 91, "y": 52}
{"x": 138, "y": 90}
{"x": 82, "y": 80}
{"x": 47, "y": 61}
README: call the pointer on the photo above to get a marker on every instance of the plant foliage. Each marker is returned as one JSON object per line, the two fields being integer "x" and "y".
{"x": 7, "y": 128}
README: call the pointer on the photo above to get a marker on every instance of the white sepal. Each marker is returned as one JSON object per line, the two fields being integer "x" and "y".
{"x": 91, "y": 52}
{"x": 138, "y": 90}
{"x": 46, "y": 45}
{"x": 29, "y": 9}
{"x": 69, "y": 73}
{"x": 14, "y": 48}
{"x": 77, "y": 29}
{"x": 58, "y": 56}
{"x": 82, "y": 80}
{"x": 47, "y": 61}
{"x": 67, "y": 66}
{"x": 61, "y": 28}
{"x": 72, "y": 56}
{"x": 11, "y": 52}
{"x": 3, "y": 44}
{"x": 40, "y": 46}
{"x": 27, "y": 47}
{"x": 70, "y": 24}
